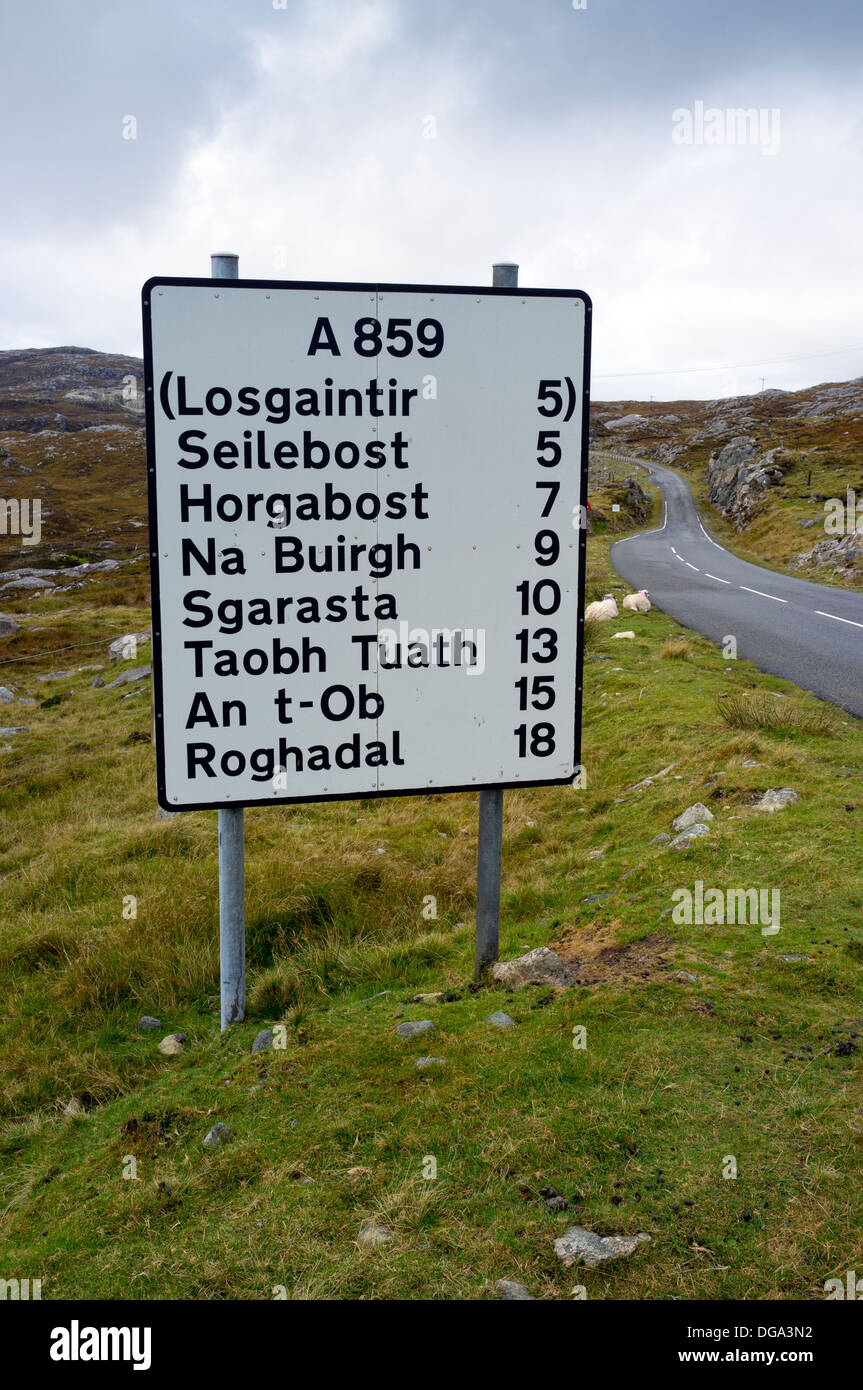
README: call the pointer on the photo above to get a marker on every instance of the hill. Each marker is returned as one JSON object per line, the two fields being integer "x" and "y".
{"x": 762, "y": 467}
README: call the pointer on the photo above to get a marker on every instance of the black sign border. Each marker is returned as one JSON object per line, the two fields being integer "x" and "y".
{"x": 372, "y": 287}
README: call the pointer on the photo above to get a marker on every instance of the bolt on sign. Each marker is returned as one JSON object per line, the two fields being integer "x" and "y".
{"x": 366, "y": 537}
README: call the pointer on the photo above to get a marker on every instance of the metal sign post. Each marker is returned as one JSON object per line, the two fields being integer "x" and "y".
{"x": 366, "y": 558}
{"x": 490, "y": 831}
{"x": 232, "y": 865}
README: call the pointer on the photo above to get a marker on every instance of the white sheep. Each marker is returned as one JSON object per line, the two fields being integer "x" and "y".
{"x": 638, "y": 602}
{"x": 601, "y": 612}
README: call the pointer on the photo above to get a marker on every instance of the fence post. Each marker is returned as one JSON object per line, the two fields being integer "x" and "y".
{"x": 490, "y": 833}
{"x": 232, "y": 869}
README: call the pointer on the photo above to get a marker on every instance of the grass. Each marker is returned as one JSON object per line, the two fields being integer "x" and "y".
{"x": 676, "y": 649}
{"x": 108, "y": 914}
{"x": 757, "y": 710}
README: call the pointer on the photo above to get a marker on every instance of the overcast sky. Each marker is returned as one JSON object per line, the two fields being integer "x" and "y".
{"x": 421, "y": 140}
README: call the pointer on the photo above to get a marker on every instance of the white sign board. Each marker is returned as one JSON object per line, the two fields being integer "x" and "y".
{"x": 366, "y": 533}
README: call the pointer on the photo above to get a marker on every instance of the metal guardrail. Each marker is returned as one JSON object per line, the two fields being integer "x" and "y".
{"x": 600, "y": 475}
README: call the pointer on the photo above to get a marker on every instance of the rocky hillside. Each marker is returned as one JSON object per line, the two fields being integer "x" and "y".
{"x": 68, "y": 388}
{"x": 766, "y": 463}
{"x": 72, "y": 439}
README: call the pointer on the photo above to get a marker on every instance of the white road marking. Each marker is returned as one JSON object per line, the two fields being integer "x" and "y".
{"x": 692, "y": 567}
{"x": 710, "y": 538}
{"x": 763, "y": 595}
{"x": 837, "y": 619}
{"x": 716, "y": 577}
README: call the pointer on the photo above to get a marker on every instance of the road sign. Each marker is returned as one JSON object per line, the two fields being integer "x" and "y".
{"x": 366, "y": 527}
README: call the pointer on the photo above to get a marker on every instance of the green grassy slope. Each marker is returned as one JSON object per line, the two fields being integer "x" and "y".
{"x": 758, "y": 1059}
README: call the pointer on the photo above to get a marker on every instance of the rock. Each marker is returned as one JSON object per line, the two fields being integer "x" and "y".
{"x": 98, "y": 683}
{"x": 684, "y": 841}
{"x": 125, "y": 648}
{"x": 595, "y": 853}
{"x": 411, "y": 1030}
{"x": 14, "y": 729}
{"x": 595, "y": 898}
{"x": 8, "y": 626}
{"x": 263, "y": 1041}
{"x": 25, "y": 700}
{"x": 750, "y": 762}
{"x": 738, "y": 479}
{"x": 501, "y": 1020}
{"x": 626, "y": 422}
{"x": 539, "y": 967}
{"x": 148, "y": 1024}
{"x": 693, "y": 815}
{"x": 27, "y": 581}
{"x": 805, "y": 525}
{"x": 771, "y": 800}
{"x": 6, "y": 695}
{"x": 792, "y": 959}
{"x": 834, "y": 550}
{"x": 217, "y": 1136}
{"x": 686, "y": 977}
{"x": 126, "y": 677}
{"x": 580, "y": 1244}
{"x": 510, "y": 1291}
{"x": 663, "y": 838}
{"x": 171, "y": 1046}
{"x": 649, "y": 781}
{"x": 423, "y": 1062}
{"x": 162, "y": 814}
{"x": 616, "y": 635}
{"x": 372, "y": 1235}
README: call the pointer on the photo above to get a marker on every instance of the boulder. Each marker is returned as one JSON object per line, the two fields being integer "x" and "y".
{"x": 126, "y": 677}
{"x": 411, "y": 1030}
{"x": 777, "y": 800}
{"x": 125, "y": 648}
{"x": 593, "y": 1250}
{"x": 510, "y": 1291}
{"x": 738, "y": 478}
{"x": 685, "y": 839}
{"x": 539, "y": 967}
{"x": 217, "y": 1136}
{"x": 691, "y": 816}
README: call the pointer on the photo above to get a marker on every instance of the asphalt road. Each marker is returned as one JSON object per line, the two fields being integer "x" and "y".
{"x": 808, "y": 633}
